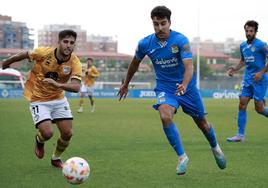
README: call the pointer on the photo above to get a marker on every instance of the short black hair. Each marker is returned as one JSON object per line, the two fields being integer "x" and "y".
{"x": 252, "y": 23}
{"x": 161, "y": 12}
{"x": 67, "y": 32}
{"x": 90, "y": 58}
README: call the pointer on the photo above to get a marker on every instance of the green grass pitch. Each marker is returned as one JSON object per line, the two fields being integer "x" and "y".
{"x": 126, "y": 147}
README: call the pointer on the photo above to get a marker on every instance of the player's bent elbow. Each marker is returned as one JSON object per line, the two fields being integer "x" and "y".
{"x": 76, "y": 90}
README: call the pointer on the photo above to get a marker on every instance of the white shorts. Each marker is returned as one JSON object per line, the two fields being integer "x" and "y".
{"x": 86, "y": 89}
{"x": 51, "y": 110}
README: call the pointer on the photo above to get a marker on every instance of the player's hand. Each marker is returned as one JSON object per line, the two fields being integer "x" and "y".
{"x": 230, "y": 71}
{"x": 181, "y": 89}
{"x": 52, "y": 82}
{"x": 257, "y": 76}
{"x": 122, "y": 93}
{"x": 5, "y": 65}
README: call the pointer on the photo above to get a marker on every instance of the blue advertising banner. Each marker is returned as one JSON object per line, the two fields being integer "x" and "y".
{"x": 133, "y": 93}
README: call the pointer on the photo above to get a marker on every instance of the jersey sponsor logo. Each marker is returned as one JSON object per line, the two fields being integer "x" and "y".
{"x": 167, "y": 63}
{"x": 66, "y": 70}
{"x": 52, "y": 75}
{"x": 249, "y": 59}
{"x": 174, "y": 49}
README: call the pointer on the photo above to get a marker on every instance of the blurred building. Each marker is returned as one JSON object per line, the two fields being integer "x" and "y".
{"x": 48, "y": 36}
{"x": 14, "y": 34}
{"x": 228, "y": 46}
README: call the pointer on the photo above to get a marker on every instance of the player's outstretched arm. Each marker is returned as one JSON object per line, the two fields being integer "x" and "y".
{"x": 15, "y": 58}
{"x": 132, "y": 68}
{"x": 232, "y": 70}
{"x": 188, "y": 74}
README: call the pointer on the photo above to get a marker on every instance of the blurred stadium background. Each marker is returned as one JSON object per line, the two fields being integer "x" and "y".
{"x": 215, "y": 57}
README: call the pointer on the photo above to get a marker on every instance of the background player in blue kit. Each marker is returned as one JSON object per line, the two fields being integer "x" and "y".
{"x": 171, "y": 56}
{"x": 253, "y": 56}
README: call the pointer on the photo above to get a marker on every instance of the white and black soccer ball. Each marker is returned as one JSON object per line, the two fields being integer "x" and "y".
{"x": 76, "y": 170}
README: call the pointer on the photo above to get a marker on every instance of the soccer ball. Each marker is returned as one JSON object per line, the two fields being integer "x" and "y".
{"x": 76, "y": 170}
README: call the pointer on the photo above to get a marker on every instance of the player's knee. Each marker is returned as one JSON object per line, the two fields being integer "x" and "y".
{"x": 67, "y": 135}
{"x": 259, "y": 110}
{"x": 47, "y": 134}
{"x": 166, "y": 119}
{"x": 242, "y": 106}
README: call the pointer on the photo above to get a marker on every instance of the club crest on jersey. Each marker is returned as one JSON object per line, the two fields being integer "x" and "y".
{"x": 66, "y": 70}
{"x": 174, "y": 49}
{"x": 163, "y": 99}
{"x": 253, "y": 49}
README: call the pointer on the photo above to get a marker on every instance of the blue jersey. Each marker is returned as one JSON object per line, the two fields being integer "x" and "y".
{"x": 167, "y": 59}
{"x": 254, "y": 56}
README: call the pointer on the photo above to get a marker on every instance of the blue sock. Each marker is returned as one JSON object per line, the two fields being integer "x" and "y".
{"x": 241, "y": 121}
{"x": 211, "y": 137}
{"x": 265, "y": 112}
{"x": 173, "y": 137}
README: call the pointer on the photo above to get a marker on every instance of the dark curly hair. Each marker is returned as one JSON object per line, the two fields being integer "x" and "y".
{"x": 161, "y": 12}
{"x": 65, "y": 33}
{"x": 252, "y": 23}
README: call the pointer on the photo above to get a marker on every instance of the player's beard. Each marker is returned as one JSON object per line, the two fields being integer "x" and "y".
{"x": 250, "y": 38}
{"x": 65, "y": 52}
{"x": 162, "y": 35}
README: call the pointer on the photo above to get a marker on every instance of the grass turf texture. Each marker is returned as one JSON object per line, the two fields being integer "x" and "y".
{"x": 126, "y": 147}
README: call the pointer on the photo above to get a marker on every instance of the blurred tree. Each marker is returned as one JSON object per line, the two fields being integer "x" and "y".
{"x": 205, "y": 71}
{"x": 236, "y": 53}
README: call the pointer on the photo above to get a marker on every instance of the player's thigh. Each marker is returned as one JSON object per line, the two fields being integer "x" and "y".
{"x": 192, "y": 104}
{"x": 65, "y": 128}
{"x": 166, "y": 110}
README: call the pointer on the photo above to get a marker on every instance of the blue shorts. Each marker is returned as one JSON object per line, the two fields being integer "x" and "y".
{"x": 191, "y": 102}
{"x": 254, "y": 90}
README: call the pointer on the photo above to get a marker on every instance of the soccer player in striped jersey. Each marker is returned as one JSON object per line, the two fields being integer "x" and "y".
{"x": 171, "y": 56}
{"x": 44, "y": 89}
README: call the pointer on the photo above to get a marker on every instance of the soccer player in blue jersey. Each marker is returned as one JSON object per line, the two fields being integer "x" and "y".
{"x": 171, "y": 55}
{"x": 253, "y": 56}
